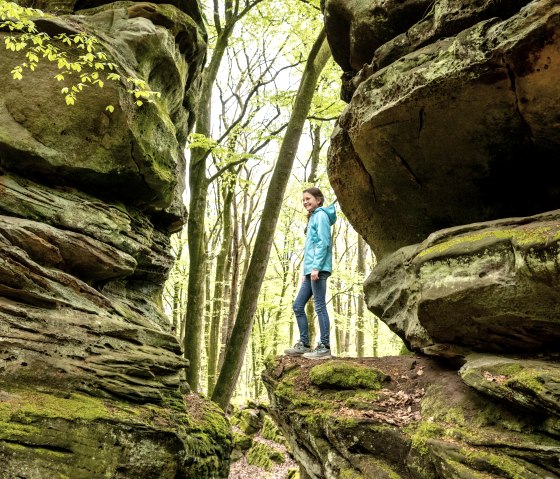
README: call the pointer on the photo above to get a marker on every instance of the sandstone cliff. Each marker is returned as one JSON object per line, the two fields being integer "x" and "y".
{"x": 91, "y": 378}
{"x": 446, "y": 161}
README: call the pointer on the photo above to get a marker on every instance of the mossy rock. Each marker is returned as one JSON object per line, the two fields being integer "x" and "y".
{"x": 242, "y": 441}
{"x": 262, "y": 455}
{"x": 527, "y": 383}
{"x": 44, "y": 434}
{"x": 346, "y": 375}
{"x": 249, "y": 421}
{"x": 270, "y": 431}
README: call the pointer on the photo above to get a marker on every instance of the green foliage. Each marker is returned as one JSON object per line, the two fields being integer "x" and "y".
{"x": 90, "y": 67}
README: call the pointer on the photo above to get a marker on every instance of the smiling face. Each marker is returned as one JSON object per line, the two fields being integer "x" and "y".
{"x": 310, "y": 202}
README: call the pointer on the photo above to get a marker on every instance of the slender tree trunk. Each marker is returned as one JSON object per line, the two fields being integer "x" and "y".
{"x": 349, "y": 296}
{"x": 310, "y": 313}
{"x": 198, "y": 188}
{"x": 254, "y": 362}
{"x": 375, "y": 339}
{"x": 338, "y": 315}
{"x": 278, "y": 316}
{"x": 360, "y": 316}
{"x": 217, "y": 308}
{"x": 227, "y": 328}
{"x": 315, "y": 153}
{"x": 235, "y": 350}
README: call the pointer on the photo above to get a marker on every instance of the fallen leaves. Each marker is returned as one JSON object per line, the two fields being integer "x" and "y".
{"x": 398, "y": 408}
{"x": 494, "y": 378}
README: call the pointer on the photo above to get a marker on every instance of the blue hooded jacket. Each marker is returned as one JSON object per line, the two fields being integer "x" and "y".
{"x": 317, "y": 253}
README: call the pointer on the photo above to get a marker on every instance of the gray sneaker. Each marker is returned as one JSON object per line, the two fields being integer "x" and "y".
{"x": 298, "y": 349}
{"x": 320, "y": 352}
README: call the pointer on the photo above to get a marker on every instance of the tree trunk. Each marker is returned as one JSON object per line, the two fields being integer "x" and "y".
{"x": 198, "y": 188}
{"x": 375, "y": 341}
{"x": 360, "y": 317}
{"x": 315, "y": 153}
{"x": 227, "y": 328}
{"x": 235, "y": 351}
{"x": 217, "y": 308}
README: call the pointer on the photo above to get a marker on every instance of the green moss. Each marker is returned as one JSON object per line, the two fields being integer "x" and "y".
{"x": 436, "y": 405}
{"x": 507, "y": 369}
{"x": 242, "y": 441}
{"x": 287, "y": 390}
{"x": 524, "y": 236}
{"x": 209, "y": 419}
{"x": 26, "y": 404}
{"x": 347, "y": 473}
{"x": 54, "y": 455}
{"x": 503, "y": 464}
{"x": 271, "y": 432}
{"x": 467, "y": 472}
{"x": 528, "y": 379}
{"x": 346, "y": 375}
{"x": 422, "y": 432}
{"x": 262, "y": 455}
{"x": 361, "y": 399}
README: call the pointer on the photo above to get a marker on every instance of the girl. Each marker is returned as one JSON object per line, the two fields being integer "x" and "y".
{"x": 317, "y": 267}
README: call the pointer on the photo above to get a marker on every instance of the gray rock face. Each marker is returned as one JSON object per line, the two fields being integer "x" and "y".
{"x": 452, "y": 133}
{"x": 91, "y": 381}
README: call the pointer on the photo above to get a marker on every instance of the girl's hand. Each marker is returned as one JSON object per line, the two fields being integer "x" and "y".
{"x": 314, "y": 275}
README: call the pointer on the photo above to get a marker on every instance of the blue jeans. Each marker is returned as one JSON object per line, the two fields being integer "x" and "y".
{"x": 317, "y": 289}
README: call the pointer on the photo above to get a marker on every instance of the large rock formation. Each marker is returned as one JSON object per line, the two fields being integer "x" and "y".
{"x": 464, "y": 129}
{"x": 446, "y": 161}
{"x": 91, "y": 380}
{"x": 418, "y": 419}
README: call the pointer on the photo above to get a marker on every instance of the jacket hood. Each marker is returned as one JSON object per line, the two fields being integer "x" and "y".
{"x": 331, "y": 212}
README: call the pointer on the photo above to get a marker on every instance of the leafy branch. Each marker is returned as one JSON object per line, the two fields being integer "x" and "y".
{"x": 90, "y": 68}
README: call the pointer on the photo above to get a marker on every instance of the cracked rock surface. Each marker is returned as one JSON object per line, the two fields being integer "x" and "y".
{"x": 91, "y": 376}
{"x": 454, "y": 129}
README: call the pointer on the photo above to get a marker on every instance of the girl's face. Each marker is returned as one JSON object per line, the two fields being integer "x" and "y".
{"x": 310, "y": 203}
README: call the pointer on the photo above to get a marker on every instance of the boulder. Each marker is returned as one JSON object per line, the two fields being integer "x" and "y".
{"x": 460, "y": 131}
{"x": 489, "y": 287}
{"x": 445, "y": 161}
{"x": 532, "y": 384}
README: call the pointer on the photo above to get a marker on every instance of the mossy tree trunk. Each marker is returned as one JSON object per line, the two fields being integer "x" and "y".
{"x": 235, "y": 351}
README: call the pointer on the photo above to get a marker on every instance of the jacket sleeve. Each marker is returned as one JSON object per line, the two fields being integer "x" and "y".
{"x": 323, "y": 240}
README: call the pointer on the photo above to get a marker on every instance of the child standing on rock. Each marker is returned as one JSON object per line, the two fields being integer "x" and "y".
{"x": 317, "y": 267}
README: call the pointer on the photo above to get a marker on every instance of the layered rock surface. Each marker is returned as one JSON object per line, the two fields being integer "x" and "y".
{"x": 418, "y": 421}
{"x": 91, "y": 380}
{"x": 464, "y": 129}
{"x": 445, "y": 160}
